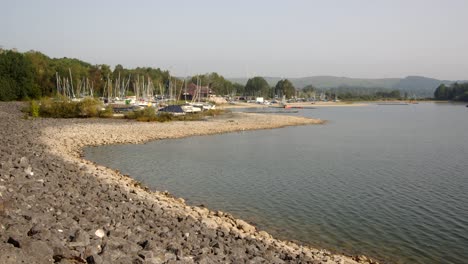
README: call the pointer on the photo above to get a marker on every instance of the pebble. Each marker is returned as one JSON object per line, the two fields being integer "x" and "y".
{"x": 100, "y": 233}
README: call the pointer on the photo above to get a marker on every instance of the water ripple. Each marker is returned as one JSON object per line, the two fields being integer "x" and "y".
{"x": 371, "y": 182}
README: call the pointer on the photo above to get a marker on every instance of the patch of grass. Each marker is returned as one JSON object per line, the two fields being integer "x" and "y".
{"x": 108, "y": 112}
{"x": 200, "y": 115}
{"x": 89, "y": 107}
{"x": 34, "y": 108}
{"x": 214, "y": 112}
{"x": 64, "y": 108}
{"x": 165, "y": 117}
{"x": 149, "y": 114}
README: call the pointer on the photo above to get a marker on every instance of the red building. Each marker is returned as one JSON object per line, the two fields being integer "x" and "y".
{"x": 195, "y": 91}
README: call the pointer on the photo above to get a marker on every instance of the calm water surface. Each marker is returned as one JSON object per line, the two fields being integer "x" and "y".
{"x": 390, "y": 182}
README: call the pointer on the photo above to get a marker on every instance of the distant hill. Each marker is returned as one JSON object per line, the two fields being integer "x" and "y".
{"x": 419, "y": 86}
{"x": 413, "y": 85}
{"x": 326, "y": 82}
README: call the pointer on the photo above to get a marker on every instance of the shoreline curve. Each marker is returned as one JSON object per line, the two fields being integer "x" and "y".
{"x": 56, "y": 206}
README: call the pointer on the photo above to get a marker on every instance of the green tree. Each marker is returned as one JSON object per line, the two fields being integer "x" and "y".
{"x": 44, "y": 73}
{"x": 441, "y": 92}
{"x": 309, "y": 91}
{"x": 98, "y": 77}
{"x": 395, "y": 94}
{"x": 16, "y": 77}
{"x": 257, "y": 86}
{"x": 286, "y": 88}
{"x": 238, "y": 89}
{"x": 216, "y": 82}
{"x": 457, "y": 92}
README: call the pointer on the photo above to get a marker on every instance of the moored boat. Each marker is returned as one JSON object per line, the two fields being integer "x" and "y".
{"x": 188, "y": 108}
{"x": 173, "y": 109}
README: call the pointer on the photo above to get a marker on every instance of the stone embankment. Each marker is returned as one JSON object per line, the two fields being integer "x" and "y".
{"x": 58, "y": 208}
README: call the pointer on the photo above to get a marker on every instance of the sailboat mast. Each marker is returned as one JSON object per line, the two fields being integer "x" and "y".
{"x": 71, "y": 82}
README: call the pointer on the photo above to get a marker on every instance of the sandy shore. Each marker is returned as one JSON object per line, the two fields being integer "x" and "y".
{"x": 328, "y": 104}
{"x": 303, "y": 105}
{"x": 56, "y": 207}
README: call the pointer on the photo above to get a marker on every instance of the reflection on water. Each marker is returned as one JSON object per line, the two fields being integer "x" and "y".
{"x": 384, "y": 181}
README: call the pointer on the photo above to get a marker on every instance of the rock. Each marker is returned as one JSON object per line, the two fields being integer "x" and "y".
{"x": 39, "y": 250}
{"x": 14, "y": 242}
{"x": 76, "y": 244}
{"x": 257, "y": 260}
{"x": 210, "y": 223}
{"x": 13, "y": 255}
{"x": 264, "y": 235}
{"x": 92, "y": 250}
{"x": 100, "y": 233}
{"x": 81, "y": 237}
{"x": 241, "y": 224}
{"x": 23, "y": 162}
{"x": 29, "y": 171}
{"x": 362, "y": 259}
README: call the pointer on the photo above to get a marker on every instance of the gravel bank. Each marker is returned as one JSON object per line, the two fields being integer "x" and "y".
{"x": 58, "y": 208}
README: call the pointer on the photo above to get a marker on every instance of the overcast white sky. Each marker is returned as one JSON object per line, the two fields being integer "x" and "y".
{"x": 290, "y": 38}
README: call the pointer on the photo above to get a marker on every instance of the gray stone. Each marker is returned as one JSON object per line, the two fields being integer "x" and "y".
{"x": 23, "y": 162}
{"x": 241, "y": 224}
{"x": 210, "y": 223}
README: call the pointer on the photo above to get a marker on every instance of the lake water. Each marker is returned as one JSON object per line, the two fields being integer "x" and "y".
{"x": 390, "y": 182}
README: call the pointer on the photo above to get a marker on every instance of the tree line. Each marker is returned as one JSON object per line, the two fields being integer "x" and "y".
{"x": 33, "y": 74}
{"x": 258, "y": 86}
{"x": 456, "y": 92}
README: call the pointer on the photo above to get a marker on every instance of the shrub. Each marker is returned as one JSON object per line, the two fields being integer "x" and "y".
{"x": 64, "y": 108}
{"x": 34, "y": 108}
{"x": 145, "y": 115}
{"x": 149, "y": 114}
{"x": 213, "y": 112}
{"x": 89, "y": 107}
{"x": 164, "y": 117}
{"x": 108, "y": 112}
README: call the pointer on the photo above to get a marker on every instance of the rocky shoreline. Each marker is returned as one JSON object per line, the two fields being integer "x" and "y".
{"x": 56, "y": 207}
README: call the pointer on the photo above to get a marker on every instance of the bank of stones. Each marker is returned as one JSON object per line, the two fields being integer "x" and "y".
{"x": 58, "y": 208}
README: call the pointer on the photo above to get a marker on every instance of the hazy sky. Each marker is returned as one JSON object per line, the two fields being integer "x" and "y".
{"x": 289, "y": 38}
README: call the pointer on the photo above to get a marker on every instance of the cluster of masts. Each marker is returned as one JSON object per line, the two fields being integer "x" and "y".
{"x": 84, "y": 87}
{"x": 118, "y": 89}
{"x": 198, "y": 92}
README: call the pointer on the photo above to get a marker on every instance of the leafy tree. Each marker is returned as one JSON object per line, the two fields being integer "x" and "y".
{"x": 457, "y": 92}
{"x": 257, "y": 86}
{"x": 285, "y": 87}
{"x": 394, "y": 94}
{"x": 216, "y": 82}
{"x": 78, "y": 68}
{"x": 44, "y": 73}
{"x": 119, "y": 70}
{"x": 98, "y": 77}
{"x": 441, "y": 92}
{"x": 16, "y": 77}
{"x": 308, "y": 91}
{"x": 238, "y": 89}
{"x": 7, "y": 89}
